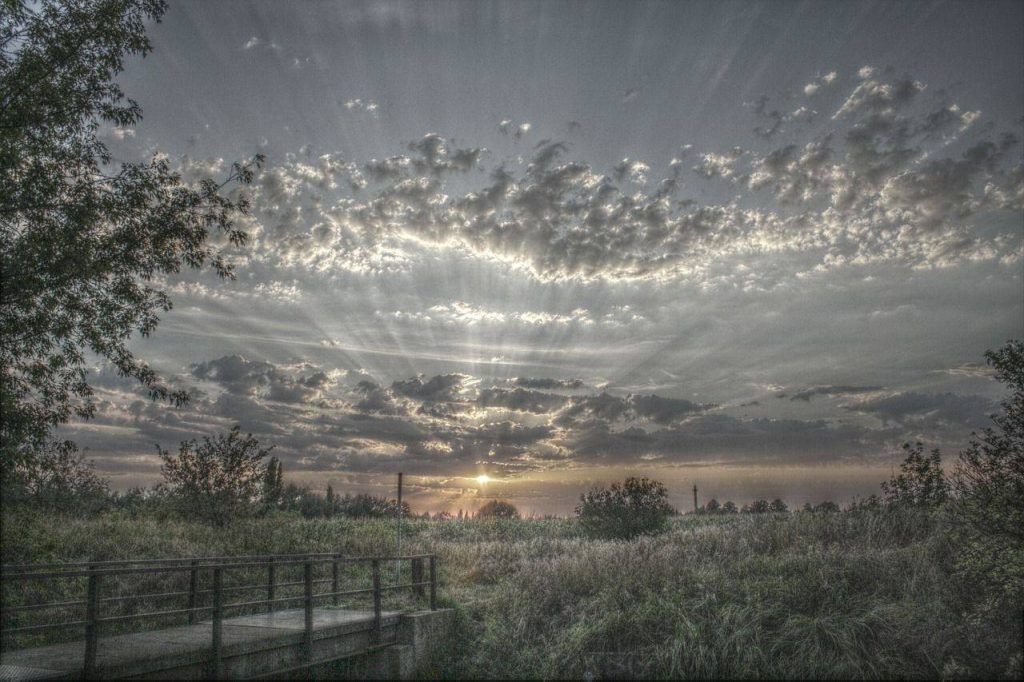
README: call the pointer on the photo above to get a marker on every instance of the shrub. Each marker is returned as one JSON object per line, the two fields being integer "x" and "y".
{"x": 217, "y": 480}
{"x": 920, "y": 482}
{"x": 498, "y": 509}
{"x": 637, "y": 506}
{"x": 989, "y": 508}
{"x": 57, "y": 479}
{"x": 757, "y": 507}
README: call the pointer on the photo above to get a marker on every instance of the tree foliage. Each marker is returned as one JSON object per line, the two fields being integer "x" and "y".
{"x": 219, "y": 479}
{"x": 624, "y": 510}
{"x": 921, "y": 481}
{"x": 60, "y": 480}
{"x": 85, "y": 242}
{"x": 497, "y": 509}
{"x": 989, "y": 486}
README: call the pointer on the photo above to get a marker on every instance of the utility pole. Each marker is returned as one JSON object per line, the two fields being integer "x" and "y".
{"x": 695, "y": 508}
{"x": 398, "y": 534}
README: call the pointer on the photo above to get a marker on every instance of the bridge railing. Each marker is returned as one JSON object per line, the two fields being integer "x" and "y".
{"x": 89, "y": 579}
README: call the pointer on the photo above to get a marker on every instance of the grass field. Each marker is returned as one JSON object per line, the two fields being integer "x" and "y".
{"x": 864, "y": 595}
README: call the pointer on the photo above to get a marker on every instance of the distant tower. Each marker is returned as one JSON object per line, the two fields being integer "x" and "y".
{"x": 695, "y": 509}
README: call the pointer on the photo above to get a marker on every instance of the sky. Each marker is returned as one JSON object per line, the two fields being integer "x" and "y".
{"x": 752, "y": 247}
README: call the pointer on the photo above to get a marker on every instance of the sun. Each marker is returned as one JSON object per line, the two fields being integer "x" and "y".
{"x": 483, "y": 479}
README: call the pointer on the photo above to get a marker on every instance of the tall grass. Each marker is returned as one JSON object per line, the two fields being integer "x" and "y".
{"x": 865, "y": 595}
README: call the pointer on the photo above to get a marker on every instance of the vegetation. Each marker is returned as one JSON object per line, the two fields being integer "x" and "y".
{"x": 624, "y": 510}
{"x": 497, "y": 509}
{"x": 920, "y": 482}
{"x": 801, "y": 595}
{"x": 219, "y": 479}
{"x": 83, "y": 244}
{"x": 989, "y": 485}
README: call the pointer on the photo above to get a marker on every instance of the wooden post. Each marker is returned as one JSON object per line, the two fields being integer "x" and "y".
{"x": 92, "y": 625}
{"x": 695, "y": 507}
{"x": 218, "y": 621}
{"x": 377, "y": 627}
{"x": 433, "y": 583}
{"x": 334, "y": 579}
{"x": 193, "y": 587}
{"x": 417, "y": 578}
{"x": 270, "y": 585}
{"x": 308, "y": 642}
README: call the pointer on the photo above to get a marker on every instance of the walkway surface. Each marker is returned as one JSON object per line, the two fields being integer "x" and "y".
{"x": 181, "y": 645}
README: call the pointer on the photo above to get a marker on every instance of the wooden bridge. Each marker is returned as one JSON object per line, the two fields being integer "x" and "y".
{"x": 197, "y": 618}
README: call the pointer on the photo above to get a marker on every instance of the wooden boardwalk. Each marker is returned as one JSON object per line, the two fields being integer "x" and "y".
{"x": 228, "y": 634}
{"x": 252, "y": 645}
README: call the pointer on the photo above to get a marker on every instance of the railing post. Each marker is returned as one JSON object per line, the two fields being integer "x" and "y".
{"x": 433, "y": 583}
{"x": 270, "y": 585}
{"x": 193, "y": 587}
{"x": 92, "y": 605}
{"x": 417, "y": 578}
{"x": 377, "y": 626}
{"x": 334, "y": 578}
{"x": 309, "y": 611}
{"x": 218, "y": 621}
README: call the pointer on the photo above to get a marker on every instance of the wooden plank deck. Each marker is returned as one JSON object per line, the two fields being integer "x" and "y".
{"x": 146, "y": 653}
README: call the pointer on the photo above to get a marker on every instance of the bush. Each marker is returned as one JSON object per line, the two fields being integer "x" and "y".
{"x": 218, "y": 480}
{"x": 989, "y": 507}
{"x": 498, "y": 509}
{"x": 920, "y": 482}
{"x": 638, "y": 506}
{"x": 57, "y": 479}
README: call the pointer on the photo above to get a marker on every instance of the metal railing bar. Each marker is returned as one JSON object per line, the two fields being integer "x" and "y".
{"x": 39, "y": 607}
{"x": 259, "y": 558}
{"x": 40, "y": 575}
{"x": 152, "y": 614}
{"x": 126, "y": 562}
{"x": 47, "y": 626}
{"x": 406, "y": 586}
{"x": 151, "y": 595}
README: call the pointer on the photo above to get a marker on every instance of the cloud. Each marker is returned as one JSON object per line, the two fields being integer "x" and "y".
{"x": 971, "y": 369}
{"x": 830, "y": 391}
{"x": 444, "y": 387}
{"x": 521, "y": 400}
{"x": 357, "y": 104}
{"x": 547, "y": 383}
{"x": 295, "y": 384}
{"x": 878, "y": 182}
{"x": 936, "y": 408}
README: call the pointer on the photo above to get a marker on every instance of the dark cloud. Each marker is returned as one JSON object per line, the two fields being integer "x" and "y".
{"x": 299, "y": 384}
{"x": 949, "y": 408}
{"x": 440, "y": 387}
{"x": 521, "y": 399}
{"x": 831, "y": 391}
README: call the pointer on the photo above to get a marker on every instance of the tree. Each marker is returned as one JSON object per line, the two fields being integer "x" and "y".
{"x": 920, "y": 483}
{"x": 84, "y": 244}
{"x": 634, "y": 507}
{"x": 712, "y": 507}
{"x": 826, "y": 507}
{"x": 58, "y": 480}
{"x": 219, "y": 479}
{"x": 273, "y": 483}
{"x": 497, "y": 509}
{"x": 778, "y": 506}
{"x": 730, "y": 508}
{"x": 756, "y": 507}
{"x": 989, "y": 483}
